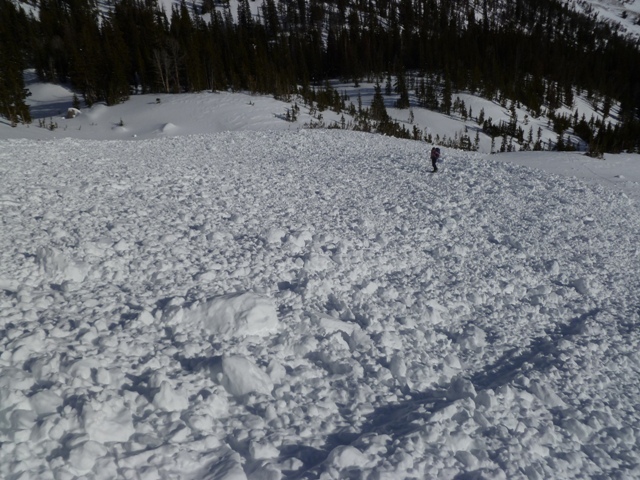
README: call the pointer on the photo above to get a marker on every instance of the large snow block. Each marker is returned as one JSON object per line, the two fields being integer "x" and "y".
{"x": 235, "y": 314}
{"x": 241, "y": 376}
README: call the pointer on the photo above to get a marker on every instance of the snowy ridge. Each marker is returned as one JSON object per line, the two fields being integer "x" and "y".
{"x": 311, "y": 304}
{"x": 625, "y": 13}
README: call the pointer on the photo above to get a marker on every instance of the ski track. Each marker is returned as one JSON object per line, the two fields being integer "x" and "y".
{"x": 481, "y": 322}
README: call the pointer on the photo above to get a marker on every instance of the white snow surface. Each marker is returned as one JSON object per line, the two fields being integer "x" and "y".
{"x": 624, "y": 13}
{"x": 263, "y": 304}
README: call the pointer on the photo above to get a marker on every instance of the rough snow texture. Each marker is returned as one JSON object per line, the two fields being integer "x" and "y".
{"x": 311, "y": 305}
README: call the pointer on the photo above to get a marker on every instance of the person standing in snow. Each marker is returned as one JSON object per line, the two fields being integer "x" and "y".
{"x": 435, "y": 156}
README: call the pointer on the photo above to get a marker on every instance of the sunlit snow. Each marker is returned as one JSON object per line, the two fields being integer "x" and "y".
{"x": 274, "y": 302}
{"x": 624, "y": 14}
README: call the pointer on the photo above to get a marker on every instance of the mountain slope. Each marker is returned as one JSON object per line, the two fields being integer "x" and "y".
{"x": 537, "y": 56}
{"x": 625, "y": 13}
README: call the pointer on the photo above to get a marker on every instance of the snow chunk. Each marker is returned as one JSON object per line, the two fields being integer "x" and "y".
{"x": 370, "y": 288}
{"x": 274, "y": 235}
{"x": 553, "y": 267}
{"x": 170, "y": 400}
{"x": 345, "y": 456}
{"x": 25, "y": 347}
{"x": 72, "y": 113}
{"x": 108, "y": 422}
{"x": 45, "y": 402}
{"x": 331, "y": 325}
{"x": 473, "y": 338}
{"x": 228, "y": 467}
{"x": 300, "y": 238}
{"x": 241, "y": 376}
{"x": 316, "y": 262}
{"x": 122, "y": 246}
{"x": 461, "y": 388}
{"x": 546, "y": 395}
{"x": 9, "y": 285}
{"x": 583, "y": 286}
{"x": 579, "y": 429}
{"x": 82, "y": 368}
{"x": 14, "y": 379}
{"x": 276, "y": 371}
{"x": 146, "y": 318}
{"x": 432, "y": 312}
{"x": 262, "y": 450}
{"x": 83, "y": 457}
{"x": 235, "y": 314}
{"x": 486, "y": 399}
{"x": 22, "y": 419}
{"x": 398, "y": 367}
{"x": 56, "y": 264}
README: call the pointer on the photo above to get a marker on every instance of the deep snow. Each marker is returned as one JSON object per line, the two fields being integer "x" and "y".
{"x": 271, "y": 302}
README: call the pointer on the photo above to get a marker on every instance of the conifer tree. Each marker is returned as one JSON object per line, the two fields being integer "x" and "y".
{"x": 87, "y": 63}
{"x": 378, "y": 110}
{"x": 114, "y": 84}
{"x": 401, "y": 89}
{"x": 12, "y": 88}
{"x": 447, "y": 95}
{"x": 539, "y": 57}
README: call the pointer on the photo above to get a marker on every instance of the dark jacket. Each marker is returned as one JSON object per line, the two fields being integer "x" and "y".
{"x": 435, "y": 155}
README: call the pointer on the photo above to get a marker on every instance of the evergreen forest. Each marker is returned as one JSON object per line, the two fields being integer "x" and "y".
{"x": 537, "y": 53}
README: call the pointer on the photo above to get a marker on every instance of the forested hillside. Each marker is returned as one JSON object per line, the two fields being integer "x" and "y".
{"x": 540, "y": 54}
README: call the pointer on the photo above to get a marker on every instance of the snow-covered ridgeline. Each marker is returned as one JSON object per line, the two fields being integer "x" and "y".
{"x": 296, "y": 304}
{"x": 625, "y": 13}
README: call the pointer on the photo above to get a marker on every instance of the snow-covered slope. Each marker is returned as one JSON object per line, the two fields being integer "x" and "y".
{"x": 311, "y": 304}
{"x": 625, "y": 13}
{"x": 157, "y": 116}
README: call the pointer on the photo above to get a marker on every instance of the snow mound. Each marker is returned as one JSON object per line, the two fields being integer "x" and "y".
{"x": 169, "y": 400}
{"x": 72, "y": 112}
{"x": 233, "y": 315}
{"x": 110, "y": 421}
{"x": 241, "y": 376}
{"x": 59, "y": 266}
{"x": 168, "y": 128}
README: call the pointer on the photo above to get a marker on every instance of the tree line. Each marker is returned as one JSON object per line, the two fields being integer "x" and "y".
{"x": 537, "y": 53}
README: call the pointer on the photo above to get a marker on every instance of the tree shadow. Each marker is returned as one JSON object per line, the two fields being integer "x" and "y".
{"x": 408, "y": 416}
